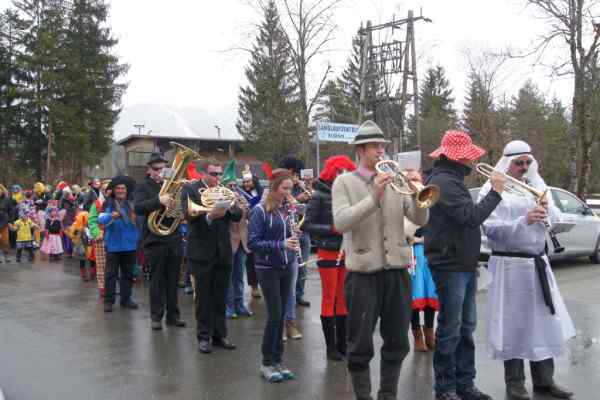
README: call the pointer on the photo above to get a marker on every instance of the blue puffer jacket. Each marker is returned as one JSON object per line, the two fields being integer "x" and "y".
{"x": 122, "y": 234}
{"x": 267, "y": 233}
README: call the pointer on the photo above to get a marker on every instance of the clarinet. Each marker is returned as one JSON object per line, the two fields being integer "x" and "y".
{"x": 292, "y": 213}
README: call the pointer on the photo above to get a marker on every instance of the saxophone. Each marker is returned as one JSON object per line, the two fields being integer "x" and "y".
{"x": 173, "y": 186}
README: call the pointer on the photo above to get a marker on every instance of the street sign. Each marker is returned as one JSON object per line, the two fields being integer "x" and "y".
{"x": 333, "y": 132}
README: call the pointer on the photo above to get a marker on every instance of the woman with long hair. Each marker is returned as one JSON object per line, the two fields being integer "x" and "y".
{"x": 275, "y": 247}
{"x": 330, "y": 259}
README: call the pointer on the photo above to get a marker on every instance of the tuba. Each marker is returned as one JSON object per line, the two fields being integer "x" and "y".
{"x": 209, "y": 198}
{"x": 173, "y": 185}
{"x": 425, "y": 196}
{"x": 515, "y": 186}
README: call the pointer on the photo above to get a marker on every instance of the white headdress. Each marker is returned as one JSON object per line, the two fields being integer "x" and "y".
{"x": 514, "y": 150}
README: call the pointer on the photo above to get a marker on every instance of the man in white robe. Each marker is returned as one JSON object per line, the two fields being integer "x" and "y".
{"x": 526, "y": 316}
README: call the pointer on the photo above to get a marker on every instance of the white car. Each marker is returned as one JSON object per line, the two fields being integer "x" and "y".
{"x": 583, "y": 240}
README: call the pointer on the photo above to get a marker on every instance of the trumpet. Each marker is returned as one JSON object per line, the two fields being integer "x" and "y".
{"x": 425, "y": 196}
{"x": 516, "y": 187}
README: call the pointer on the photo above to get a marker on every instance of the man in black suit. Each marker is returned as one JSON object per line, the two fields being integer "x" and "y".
{"x": 162, "y": 252}
{"x": 210, "y": 256}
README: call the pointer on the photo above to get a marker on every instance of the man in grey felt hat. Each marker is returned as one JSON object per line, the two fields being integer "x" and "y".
{"x": 371, "y": 218}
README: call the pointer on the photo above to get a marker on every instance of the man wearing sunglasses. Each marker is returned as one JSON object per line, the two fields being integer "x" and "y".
{"x": 210, "y": 257}
{"x": 162, "y": 252}
{"x": 526, "y": 315}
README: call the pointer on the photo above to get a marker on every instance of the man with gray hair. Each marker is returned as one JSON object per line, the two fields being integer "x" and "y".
{"x": 371, "y": 218}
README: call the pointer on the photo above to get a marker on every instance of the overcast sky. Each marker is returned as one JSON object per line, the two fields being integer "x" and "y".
{"x": 175, "y": 48}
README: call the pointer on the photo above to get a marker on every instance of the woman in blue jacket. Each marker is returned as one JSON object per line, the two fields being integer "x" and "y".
{"x": 120, "y": 238}
{"x": 275, "y": 249}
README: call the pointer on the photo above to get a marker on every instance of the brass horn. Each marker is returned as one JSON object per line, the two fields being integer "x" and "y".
{"x": 172, "y": 186}
{"x": 425, "y": 196}
{"x": 515, "y": 186}
{"x": 209, "y": 198}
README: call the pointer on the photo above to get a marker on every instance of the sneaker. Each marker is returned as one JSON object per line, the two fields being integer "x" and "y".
{"x": 243, "y": 311}
{"x": 285, "y": 373}
{"x": 450, "y": 395}
{"x": 256, "y": 293}
{"x": 230, "y": 314}
{"x": 292, "y": 330}
{"x": 303, "y": 303}
{"x": 472, "y": 393}
{"x": 271, "y": 374}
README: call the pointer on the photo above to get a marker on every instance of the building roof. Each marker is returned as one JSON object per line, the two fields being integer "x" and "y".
{"x": 175, "y": 123}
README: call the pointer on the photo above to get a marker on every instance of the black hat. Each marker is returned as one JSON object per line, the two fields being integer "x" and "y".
{"x": 293, "y": 163}
{"x": 128, "y": 181}
{"x": 156, "y": 158}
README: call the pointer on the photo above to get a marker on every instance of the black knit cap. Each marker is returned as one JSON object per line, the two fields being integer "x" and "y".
{"x": 293, "y": 163}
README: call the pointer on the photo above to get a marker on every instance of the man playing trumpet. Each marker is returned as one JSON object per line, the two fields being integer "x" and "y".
{"x": 526, "y": 316}
{"x": 371, "y": 218}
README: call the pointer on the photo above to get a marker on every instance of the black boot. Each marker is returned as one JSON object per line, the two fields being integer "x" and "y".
{"x": 328, "y": 324}
{"x": 361, "y": 383}
{"x": 340, "y": 334}
{"x": 388, "y": 385}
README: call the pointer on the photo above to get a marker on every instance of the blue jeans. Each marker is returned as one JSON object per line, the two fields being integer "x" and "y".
{"x": 454, "y": 358}
{"x": 235, "y": 293}
{"x": 305, "y": 250}
{"x": 290, "y": 306}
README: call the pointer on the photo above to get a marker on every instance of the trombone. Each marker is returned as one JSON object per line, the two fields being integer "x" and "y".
{"x": 425, "y": 196}
{"x": 516, "y": 187}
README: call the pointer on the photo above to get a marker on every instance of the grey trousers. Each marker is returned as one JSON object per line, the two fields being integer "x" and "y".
{"x": 542, "y": 372}
{"x": 385, "y": 296}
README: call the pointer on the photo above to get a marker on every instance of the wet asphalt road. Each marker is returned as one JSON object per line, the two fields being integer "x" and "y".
{"x": 57, "y": 343}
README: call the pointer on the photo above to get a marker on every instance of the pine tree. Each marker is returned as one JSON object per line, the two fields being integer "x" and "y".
{"x": 436, "y": 114}
{"x": 529, "y": 112}
{"x": 92, "y": 90}
{"x": 268, "y": 106}
{"x": 478, "y": 117}
{"x": 555, "y": 161}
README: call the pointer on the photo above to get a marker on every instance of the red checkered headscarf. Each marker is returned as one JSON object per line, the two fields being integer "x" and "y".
{"x": 457, "y": 145}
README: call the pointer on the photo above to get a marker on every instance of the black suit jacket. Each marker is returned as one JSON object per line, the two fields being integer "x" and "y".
{"x": 145, "y": 199}
{"x": 208, "y": 242}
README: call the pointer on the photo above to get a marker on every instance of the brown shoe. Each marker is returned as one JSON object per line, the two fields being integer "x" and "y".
{"x": 429, "y": 338}
{"x": 256, "y": 294}
{"x": 419, "y": 342}
{"x": 292, "y": 331}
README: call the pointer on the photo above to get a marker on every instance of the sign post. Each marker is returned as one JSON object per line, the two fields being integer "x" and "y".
{"x": 333, "y": 132}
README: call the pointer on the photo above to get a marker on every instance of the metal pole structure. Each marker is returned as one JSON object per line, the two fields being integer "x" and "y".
{"x": 318, "y": 154}
{"x": 366, "y": 37}
{"x": 139, "y": 128}
{"x": 411, "y": 29}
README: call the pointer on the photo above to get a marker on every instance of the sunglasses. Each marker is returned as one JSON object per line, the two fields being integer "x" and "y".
{"x": 215, "y": 174}
{"x": 157, "y": 168}
{"x": 520, "y": 163}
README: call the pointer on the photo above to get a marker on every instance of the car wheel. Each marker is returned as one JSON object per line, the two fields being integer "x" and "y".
{"x": 595, "y": 258}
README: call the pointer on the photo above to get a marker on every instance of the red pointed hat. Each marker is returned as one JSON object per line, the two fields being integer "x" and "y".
{"x": 457, "y": 145}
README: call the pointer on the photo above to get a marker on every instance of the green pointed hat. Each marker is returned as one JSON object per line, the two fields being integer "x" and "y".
{"x": 228, "y": 173}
